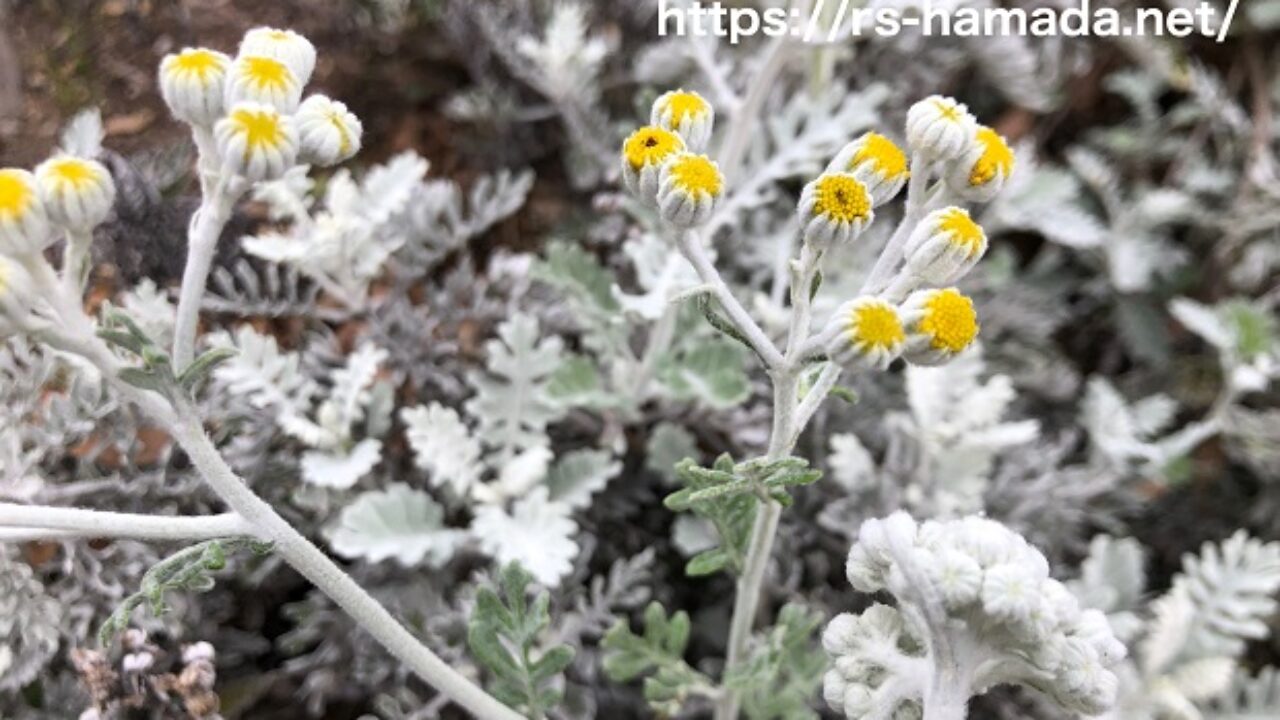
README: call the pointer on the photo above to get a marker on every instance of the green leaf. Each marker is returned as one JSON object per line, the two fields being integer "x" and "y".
{"x": 502, "y": 635}
{"x": 707, "y": 370}
{"x": 780, "y": 677}
{"x": 660, "y": 651}
{"x": 577, "y": 273}
{"x": 200, "y": 368}
{"x": 576, "y": 383}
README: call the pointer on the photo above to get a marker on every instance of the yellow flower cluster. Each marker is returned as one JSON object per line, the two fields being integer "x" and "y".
{"x": 662, "y": 165}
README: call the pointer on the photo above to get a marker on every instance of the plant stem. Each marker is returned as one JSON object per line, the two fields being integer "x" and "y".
{"x": 735, "y": 142}
{"x": 33, "y": 522}
{"x": 885, "y": 265}
{"x": 202, "y": 243}
{"x": 77, "y": 262}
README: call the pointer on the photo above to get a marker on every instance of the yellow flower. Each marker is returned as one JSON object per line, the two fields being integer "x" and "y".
{"x": 257, "y": 142}
{"x": 286, "y": 46}
{"x": 878, "y": 162}
{"x": 329, "y": 133}
{"x": 686, "y": 113}
{"x": 262, "y": 79}
{"x": 940, "y": 128}
{"x": 940, "y": 324}
{"x": 24, "y": 225}
{"x": 945, "y": 246}
{"x": 835, "y": 208}
{"x": 688, "y": 187}
{"x": 643, "y": 155}
{"x": 193, "y": 84}
{"x": 980, "y": 174}
{"x": 77, "y": 193}
{"x": 865, "y": 333}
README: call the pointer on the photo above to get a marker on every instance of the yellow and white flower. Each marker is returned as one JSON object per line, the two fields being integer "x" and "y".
{"x": 286, "y": 46}
{"x": 262, "y": 79}
{"x": 257, "y": 142}
{"x": 940, "y": 128}
{"x": 940, "y": 324}
{"x": 77, "y": 193}
{"x": 945, "y": 246}
{"x": 329, "y": 133}
{"x": 194, "y": 85}
{"x": 866, "y": 332}
{"x": 688, "y": 188}
{"x": 24, "y": 225}
{"x": 643, "y": 155}
{"x": 835, "y": 208}
{"x": 980, "y": 173}
{"x": 878, "y": 162}
{"x": 688, "y": 114}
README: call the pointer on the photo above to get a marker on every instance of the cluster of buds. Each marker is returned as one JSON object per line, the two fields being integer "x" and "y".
{"x": 252, "y": 105}
{"x": 919, "y": 316}
{"x": 976, "y": 608}
{"x": 662, "y": 164}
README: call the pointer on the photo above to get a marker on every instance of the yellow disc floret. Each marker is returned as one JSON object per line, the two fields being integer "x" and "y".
{"x": 71, "y": 173}
{"x": 883, "y": 155}
{"x": 683, "y": 105}
{"x": 267, "y": 73}
{"x": 16, "y": 194}
{"x": 649, "y": 146}
{"x": 876, "y": 325}
{"x": 963, "y": 231}
{"x": 842, "y": 198}
{"x": 997, "y": 158}
{"x": 948, "y": 109}
{"x": 949, "y": 320}
{"x": 196, "y": 62}
{"x": 697, "y": 175}
{"x": 261, "y": 128}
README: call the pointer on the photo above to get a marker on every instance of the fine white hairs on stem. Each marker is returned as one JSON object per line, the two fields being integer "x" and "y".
{"x": 328, "y": 132}
{"x": 24, "y": 223}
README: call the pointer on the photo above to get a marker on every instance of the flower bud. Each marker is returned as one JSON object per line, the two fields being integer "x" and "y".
{"x": 980, "y": 173}
{"x": 945, "y": 246}
{"x": 77, "y": 193}
{"x": 864, "y": 333}
{"x": 328, "y": 132}
{"x": 685, "y": 113}
{"x": 286, "y": 46}
{"x": 193, "y": 84}
{"x": 877, "y": 162}
{"x": 265, "y": 80}
{"x": 940, "y": 324}
{"x": 24, "y": 224}
{"x": 834, "y": 209}
{"x": 688, "y": 188}
{"x": 257, "y": 142}
{"x": 643, "y": 155}
{"x": 939, "y": 128}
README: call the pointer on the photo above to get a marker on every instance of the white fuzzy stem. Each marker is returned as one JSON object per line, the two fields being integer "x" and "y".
{"x": 33, "y": 522}
{"x": 77, "y": 262}
{"x": 827, "y": 379}
{"x": 202, "y": 244}
{"x": 887, "y": 263}
{"x": 690, "y": 244}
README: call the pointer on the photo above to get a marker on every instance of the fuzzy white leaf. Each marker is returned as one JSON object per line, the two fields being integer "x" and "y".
{"x": 510, "y": 401}
{"x": 537, "y": 533}
{"x": 83, "y": 136}
{"x": 443, "y": 446}
{"x": 580, "y": 474}
{"x": 341, "y": 470}
{"x": 399, "y": 522}
{"x": 852, "y": 466}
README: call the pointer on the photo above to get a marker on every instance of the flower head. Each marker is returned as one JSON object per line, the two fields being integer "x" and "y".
{"x": 77, "y": 193}
{"x": 286, "y": 46}
{"x": 865, "y": 332}
{"x": 257, "y": 142}
{"x": 835, "y": 208}
{"x": 688, "y": 187}
{"x": 940, "y": 128}
{"x": 193, "y": 83}
{"x": 24, "y": 224}
{"x": 329, "y": 133}
{"x": 878, "y": 162}
{"x": 266, "y": 80}
{"x": 980, "y": 173}
{"x": 945, "y": 246}
{"x": 643, "y": 155}
{"x": 940, "y": 324}
{"x": 685, "y": 113}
